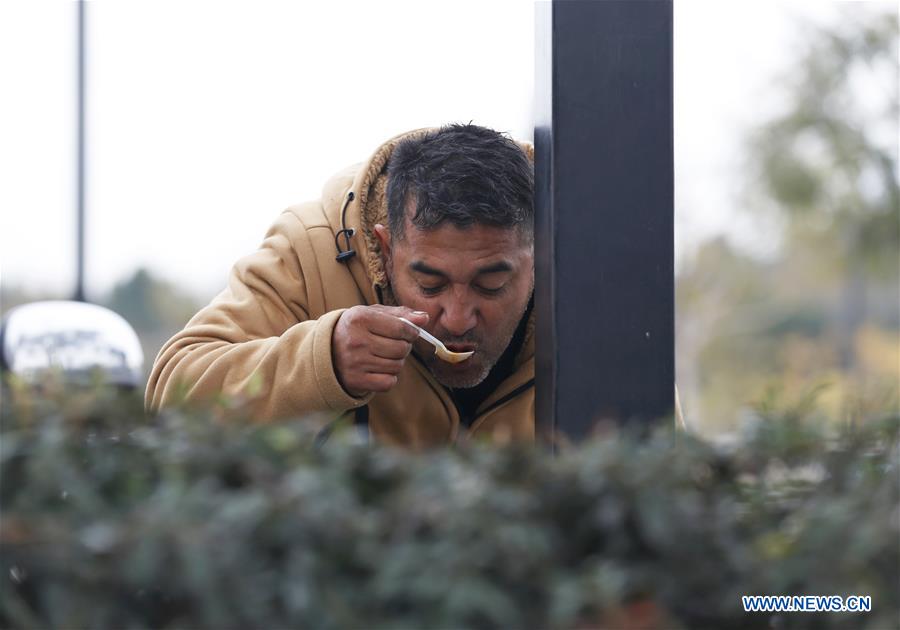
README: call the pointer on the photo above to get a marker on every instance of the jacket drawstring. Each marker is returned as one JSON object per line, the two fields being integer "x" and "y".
{"x": 347, "y": 254}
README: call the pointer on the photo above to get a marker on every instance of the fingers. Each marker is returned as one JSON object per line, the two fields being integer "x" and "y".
{"x": 378, "y": 376}
{"x": 386, "y": 322}
{"x": 385, "y": 348}
{"x": 370, "y": 345}
{"x": 375, "y": 365}
{"x": 391, "y": 327}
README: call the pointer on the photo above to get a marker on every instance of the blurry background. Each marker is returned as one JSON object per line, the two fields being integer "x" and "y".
{"x": 206, "y": 119}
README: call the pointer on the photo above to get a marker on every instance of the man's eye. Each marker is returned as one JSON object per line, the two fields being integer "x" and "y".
{"x": 430, "y": 290}
{"x": 490, "y": 290}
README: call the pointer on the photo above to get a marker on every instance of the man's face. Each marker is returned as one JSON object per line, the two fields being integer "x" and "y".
{"x": 474, "y": 283}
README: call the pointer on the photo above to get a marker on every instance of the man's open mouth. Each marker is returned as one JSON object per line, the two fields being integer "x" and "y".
{"x": 460, "y": 347}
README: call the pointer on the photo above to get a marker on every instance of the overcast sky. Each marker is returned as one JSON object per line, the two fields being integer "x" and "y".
{"x": 206, "y": 119}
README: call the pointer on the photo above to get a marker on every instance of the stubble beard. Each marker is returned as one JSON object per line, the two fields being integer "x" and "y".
{"x": 485, "y": 357}
{"x": 479, "y": 364}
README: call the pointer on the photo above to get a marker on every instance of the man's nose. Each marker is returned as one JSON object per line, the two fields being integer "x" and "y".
{"x": 458, "y": 317}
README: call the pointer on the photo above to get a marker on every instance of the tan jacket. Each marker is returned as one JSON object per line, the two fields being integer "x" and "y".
{"x": 267, "y": 337}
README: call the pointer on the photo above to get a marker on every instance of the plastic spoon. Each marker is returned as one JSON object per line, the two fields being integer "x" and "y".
{"x": 439, "y": 348}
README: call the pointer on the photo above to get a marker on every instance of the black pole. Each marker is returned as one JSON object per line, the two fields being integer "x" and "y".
{"x": 604, "y": 214}
{"x": 80, "y": 158}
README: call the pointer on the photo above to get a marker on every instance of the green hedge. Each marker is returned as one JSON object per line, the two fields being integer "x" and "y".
{"x": 111, "y": 519}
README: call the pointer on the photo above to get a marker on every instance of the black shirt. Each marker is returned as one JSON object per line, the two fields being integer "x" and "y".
{"x": 468, "y": 399}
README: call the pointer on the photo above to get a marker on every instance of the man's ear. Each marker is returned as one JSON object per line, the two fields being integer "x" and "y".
{"x": 384, "y": 242}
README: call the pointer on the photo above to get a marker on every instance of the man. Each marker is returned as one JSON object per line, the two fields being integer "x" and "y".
{"x": 437, "y": 228}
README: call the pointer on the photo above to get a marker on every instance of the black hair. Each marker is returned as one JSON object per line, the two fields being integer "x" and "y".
{"x": 464, "y": 174}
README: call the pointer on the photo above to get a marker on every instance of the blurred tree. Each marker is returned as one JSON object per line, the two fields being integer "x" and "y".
{"x": 825, "y": 310}
{"x": 828, "y": 163}
{"x": 157, "y": 309}
{"x": 149, "y": 303}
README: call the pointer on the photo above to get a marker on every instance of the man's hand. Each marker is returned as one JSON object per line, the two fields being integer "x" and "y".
{"x": 370, "y": 344}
